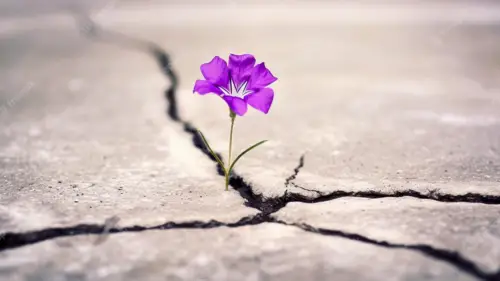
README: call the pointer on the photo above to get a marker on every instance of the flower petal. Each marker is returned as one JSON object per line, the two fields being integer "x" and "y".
{"x": 260, "y": 77}
{"x": 204, "y": 87}
{"x": 240, "y": 67}
{"x": 237, "y": 105}
{"x": 261, "y": 100}
{"x": 216, "y": 72}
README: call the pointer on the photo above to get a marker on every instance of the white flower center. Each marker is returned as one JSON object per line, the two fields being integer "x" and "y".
{"x": 239, "y": 92}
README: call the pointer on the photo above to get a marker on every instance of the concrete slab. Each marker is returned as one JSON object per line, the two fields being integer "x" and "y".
{"x": 470, "y": 229}
{"x": 263, "y": 252}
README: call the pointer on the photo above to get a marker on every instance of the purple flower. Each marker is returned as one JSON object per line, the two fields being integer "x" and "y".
{"x": 239, "y": 83}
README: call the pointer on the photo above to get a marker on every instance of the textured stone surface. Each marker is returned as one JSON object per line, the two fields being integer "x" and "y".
{"x": 265, "y": 252}
{"x": 377, "y": 106}
{"x": 471, "y": 229}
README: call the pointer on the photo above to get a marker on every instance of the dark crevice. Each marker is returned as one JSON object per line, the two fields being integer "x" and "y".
{"x": 295, "y": 171}
{"x": 435, "y": 196}
{"x": 267, "y": 206}
{"x": 11, "y": 240}
{"x": 14, "y": 240}
{"x": 270, "y": 205}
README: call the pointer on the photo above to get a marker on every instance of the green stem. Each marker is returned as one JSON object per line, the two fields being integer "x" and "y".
{"x": 231, "y": 140}
{"x": 212, "y": 152}
{"x": 232, "y": 115}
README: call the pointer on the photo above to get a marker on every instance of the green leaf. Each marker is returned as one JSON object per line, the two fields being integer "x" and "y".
{"x": 212, "y": 152}
{"x": 243, "y": 153}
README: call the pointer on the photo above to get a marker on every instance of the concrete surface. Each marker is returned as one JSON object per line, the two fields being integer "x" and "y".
{"x": 407, "y": 221}
{"x": 392, "y": 108}
{"x": 263, "y": 252}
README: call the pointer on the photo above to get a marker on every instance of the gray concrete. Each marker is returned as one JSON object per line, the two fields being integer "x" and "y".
{"x": 264, "y": 252}
{"x": 466, "y": 228}
{"x": 373, "y": 103}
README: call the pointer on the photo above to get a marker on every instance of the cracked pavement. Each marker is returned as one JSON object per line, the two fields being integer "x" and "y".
{"x": 382, "y": 163}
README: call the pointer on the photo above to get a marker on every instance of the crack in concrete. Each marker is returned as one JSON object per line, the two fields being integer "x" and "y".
{"x": 451, "y": 257}
{"x": 295, "y": 171}
{"x": 370, "y": 194}
{"x": 265, "y": 205}
{"x": 15, "y": 240}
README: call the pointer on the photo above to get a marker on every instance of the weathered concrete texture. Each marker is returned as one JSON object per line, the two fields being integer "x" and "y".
{"x": 91, "y": 140}
{"x": 470, "y": 229}
{"x": 384, "y": 107}
{"x": 264, "y": 252}
{"x": 314, "y": 185}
